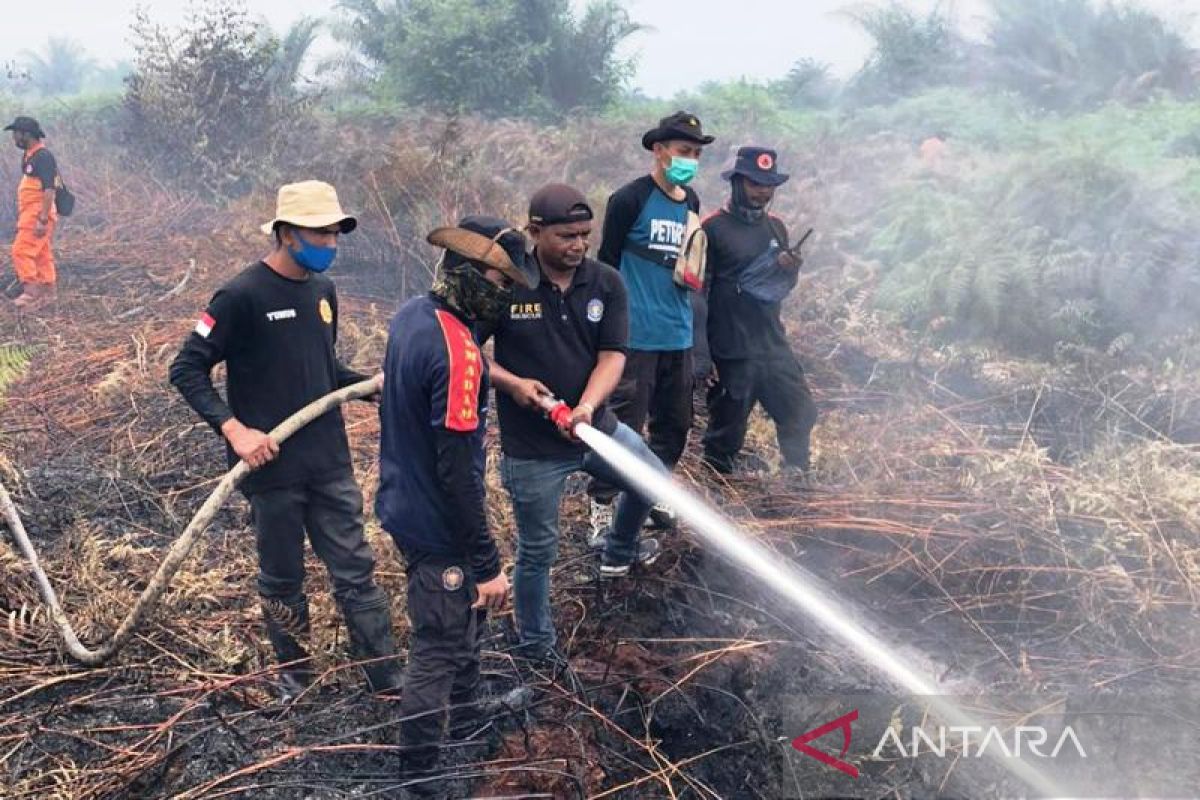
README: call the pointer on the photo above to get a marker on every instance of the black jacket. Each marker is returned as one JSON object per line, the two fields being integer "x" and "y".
{"x": 739, "y": 326}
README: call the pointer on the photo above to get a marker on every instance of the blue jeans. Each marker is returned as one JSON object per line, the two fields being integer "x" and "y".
{"x": 536, "y": 488}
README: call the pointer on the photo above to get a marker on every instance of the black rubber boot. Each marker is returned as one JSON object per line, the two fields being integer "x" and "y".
{"x": 465, "y": 716}
{"x": 369, "y": 626}
{"x": 287, "y": 628}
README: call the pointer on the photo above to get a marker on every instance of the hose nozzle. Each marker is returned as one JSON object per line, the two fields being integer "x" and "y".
{"x": 557, "y": 411}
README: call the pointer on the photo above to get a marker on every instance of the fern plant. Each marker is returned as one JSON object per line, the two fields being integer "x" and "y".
{"x": 13, "y": 361}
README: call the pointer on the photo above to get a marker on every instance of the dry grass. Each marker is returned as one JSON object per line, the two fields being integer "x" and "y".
{"x": 1043, "y": 510}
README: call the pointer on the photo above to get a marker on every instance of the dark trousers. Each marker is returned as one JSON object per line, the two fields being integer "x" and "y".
{"x": 443, "y": 653}
{"x": 655, "y": 393}
{"x": 331, "y": 513}
{"x": 778, "y": 383}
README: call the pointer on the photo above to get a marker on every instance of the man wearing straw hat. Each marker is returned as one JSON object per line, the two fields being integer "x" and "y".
{"x": 275, "y": 327}
{"x": 431, "y": 495}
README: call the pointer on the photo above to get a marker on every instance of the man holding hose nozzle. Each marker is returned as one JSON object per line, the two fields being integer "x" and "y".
{"x": 275, "y": 327}
{"x": 564, "y": 337}
{"x": 431, "y": 496}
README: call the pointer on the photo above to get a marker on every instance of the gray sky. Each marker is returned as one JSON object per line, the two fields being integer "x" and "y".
{"x": 690, "y": 42}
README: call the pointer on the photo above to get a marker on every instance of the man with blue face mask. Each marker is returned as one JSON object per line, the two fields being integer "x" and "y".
{"x": 645, "y": 232}
{"x": 275, "y": 327}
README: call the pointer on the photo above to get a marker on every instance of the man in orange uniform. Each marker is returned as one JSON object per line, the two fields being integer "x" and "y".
{"x": 31, "y": 254}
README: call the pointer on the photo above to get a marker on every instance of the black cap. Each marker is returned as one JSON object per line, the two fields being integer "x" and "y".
{"x": 26, "y": 125}
{"x": 680, "y": 125}
{"x": 759, "y": 164}
{"x": 556, "y": 204}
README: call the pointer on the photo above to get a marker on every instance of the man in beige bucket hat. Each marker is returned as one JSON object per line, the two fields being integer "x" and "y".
{"x": 275, "y": 327}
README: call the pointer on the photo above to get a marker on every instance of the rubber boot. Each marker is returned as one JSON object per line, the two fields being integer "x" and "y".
{"x": 36, "y": 295}
{"x": 28, "y": 296}
{"x": 287, "y": 627}
{"x": 369, "y": 626}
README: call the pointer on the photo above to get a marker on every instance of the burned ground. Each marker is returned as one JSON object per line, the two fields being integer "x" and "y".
{"x": 1030, "y": 528}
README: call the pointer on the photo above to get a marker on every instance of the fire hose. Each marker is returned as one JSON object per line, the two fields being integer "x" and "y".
{"x": 178, "y": 552}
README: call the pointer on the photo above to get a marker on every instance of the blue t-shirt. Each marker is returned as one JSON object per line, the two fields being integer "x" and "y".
{"x": 434, "y": 378}
{"x": 660, "y": 311}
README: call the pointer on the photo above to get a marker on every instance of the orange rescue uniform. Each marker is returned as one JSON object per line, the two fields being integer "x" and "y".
{"x": 32, "y": 257}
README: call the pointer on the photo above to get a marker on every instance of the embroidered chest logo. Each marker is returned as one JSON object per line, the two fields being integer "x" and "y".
{"x": 326, "y": 311}
{"x": 520, "y": 311}
{"x": 284, "y": 313}
{"x": 595, "y": 309}
{"x": 29, "y": 169}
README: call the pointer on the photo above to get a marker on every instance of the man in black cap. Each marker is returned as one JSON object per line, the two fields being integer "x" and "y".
{"x": 33, "y": 260}
{"x": 645, "y": 225}
{"x": 564, "y": 337}
{"x": 751, "y": 270}
{"x": 431, "y": 473}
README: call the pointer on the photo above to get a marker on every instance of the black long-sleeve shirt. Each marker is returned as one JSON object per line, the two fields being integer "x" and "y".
{"x": 463, "y": 485}
{"x": 739, "y": 326}
{"x": 277, "y": 337}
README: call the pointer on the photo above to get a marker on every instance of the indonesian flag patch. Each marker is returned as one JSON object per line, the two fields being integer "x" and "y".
{"x": 205, "y": 324}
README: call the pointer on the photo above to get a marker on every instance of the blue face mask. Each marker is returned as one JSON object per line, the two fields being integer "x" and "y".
{"x": 682, "y": 170}
{"x": 312, "y": 257}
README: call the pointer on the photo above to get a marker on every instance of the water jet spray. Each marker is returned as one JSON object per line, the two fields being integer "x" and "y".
{"x": 802, "y": 591}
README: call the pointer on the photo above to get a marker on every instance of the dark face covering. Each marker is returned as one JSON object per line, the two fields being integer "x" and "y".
{"x": 465, "y": 289}
{"x": 739, "y": 203}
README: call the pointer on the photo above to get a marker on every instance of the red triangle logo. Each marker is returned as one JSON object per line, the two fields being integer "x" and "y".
{"x": 843, "y": 722}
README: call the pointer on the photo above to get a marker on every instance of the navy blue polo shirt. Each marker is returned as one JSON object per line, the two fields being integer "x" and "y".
{"x": 556, "y": 337}
{"x": 434, "y": 378}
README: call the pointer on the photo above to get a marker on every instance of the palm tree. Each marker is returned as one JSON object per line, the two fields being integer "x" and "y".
{"x": 293, "y": 49}
{"x": 60, "y": 68}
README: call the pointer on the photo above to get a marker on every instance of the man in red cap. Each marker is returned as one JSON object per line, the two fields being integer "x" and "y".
{"x": 33, "y": 260}
{"x": 751, "y": 271}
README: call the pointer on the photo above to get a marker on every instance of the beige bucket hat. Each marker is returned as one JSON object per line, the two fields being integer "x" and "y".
{"x": 309, "y": 204}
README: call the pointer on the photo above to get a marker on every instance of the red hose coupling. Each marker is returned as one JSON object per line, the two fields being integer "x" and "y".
{"x": 560, "y": 414}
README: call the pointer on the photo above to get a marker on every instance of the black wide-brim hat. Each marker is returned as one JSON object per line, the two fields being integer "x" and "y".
{"x": 26, "y": 125}
{"x": 680, "y": 125}
{"x": 758, "y": 164}
{"x": 492, "y": 242}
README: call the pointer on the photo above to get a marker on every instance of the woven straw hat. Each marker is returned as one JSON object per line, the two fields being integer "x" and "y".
{"x": 490, "y": 241}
